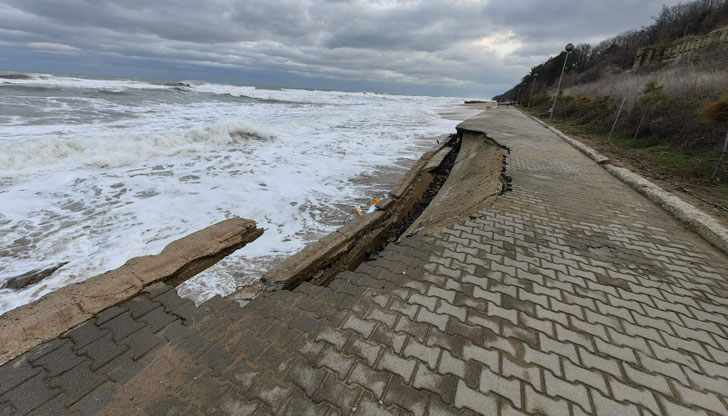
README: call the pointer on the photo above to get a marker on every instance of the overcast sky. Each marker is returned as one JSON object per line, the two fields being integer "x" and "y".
{"x": 469, "y": 48}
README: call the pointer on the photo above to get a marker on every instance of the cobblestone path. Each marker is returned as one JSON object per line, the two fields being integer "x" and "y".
{"x": 572, "y": 295}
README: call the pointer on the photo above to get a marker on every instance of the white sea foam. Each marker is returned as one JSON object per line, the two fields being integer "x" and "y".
{"x": 108, "y": 178}
{"x": 112, "y": 148}
{"x": 56, "y": 81}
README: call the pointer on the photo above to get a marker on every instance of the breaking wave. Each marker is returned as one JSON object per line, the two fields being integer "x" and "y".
{"x": 50, "y": 152}
{"x": 15, "y": 76}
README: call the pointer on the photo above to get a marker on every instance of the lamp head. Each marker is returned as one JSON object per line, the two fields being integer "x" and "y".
{"x": 569, "y": 47}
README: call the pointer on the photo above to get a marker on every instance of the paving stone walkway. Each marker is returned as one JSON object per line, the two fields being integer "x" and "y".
{"x": 572, "y": 295}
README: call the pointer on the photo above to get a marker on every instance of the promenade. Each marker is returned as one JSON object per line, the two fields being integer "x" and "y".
{"x": 570, "y": 295}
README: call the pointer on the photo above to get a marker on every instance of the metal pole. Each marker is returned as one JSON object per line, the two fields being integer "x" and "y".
{"x": 720, "y": 160}
{"x": 558, "y": 87}
{"x": 616, "y": 119}
{"x": 533, "y": 85}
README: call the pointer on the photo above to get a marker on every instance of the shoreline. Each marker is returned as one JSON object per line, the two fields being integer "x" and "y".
{"x": 118, "y": 219}
{"x": 46, "y": 317}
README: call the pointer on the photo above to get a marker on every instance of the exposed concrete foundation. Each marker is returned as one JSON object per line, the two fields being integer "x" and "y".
{"x": 466, "y": 190}
{"x": 474, "y": 183}
{"x": 348, "y": 246}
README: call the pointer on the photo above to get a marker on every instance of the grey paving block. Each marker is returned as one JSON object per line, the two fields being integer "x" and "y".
{"x": 218, "y": 303}
{"x": 122, "y": 326}
{"x": 140, "y": 305}
{"x": 108, "y": 314}
{"x": 157, "y": 319}
{"x": 188, "y": 312}
{"x": 175, "y": 332}
{"x": 169, "y": 299}
{"x": 15, "y": 372}
{"x": 141, "y": 342}
{"x": 302, "y": 405}
{"x": 53, "y": 407}
{"x": 60, "y": 360}
{"x": 77, "y": 382}
{"x": 85, "y": 334}
{"x": 234, "y": 403}
{"x": 272, "y": 394}
{"x": 45, "y": 348}
{"x": 122, "y": 368}
{"x": 166, "y": 405}
{"x": 407, "y": 397}
{"x": 94, "y": 402}
{"x": 102, "y": 351}
{"x": 29, "y": 395}
{"x": 337, "y": 393}
{"x": 306, "y": 377}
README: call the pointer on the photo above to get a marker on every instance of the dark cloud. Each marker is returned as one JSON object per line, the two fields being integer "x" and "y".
{"x": 458, "y": 47}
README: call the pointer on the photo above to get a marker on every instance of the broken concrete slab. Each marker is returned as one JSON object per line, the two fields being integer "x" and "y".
{"x": 473, "y": 184}
{"x": 30, "y": 278}
{"x": 348, "y": 246}
{"x": 48, "y": 317}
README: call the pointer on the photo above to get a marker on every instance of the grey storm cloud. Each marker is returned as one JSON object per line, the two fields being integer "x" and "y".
{"x": 458, "y": 47}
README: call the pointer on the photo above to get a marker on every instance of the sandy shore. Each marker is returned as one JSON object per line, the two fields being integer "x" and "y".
{"x": 461, "y": 112}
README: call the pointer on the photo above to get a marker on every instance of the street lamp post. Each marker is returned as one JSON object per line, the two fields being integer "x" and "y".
{"x": 569, "y": 47}
{"x": 533, "y": 85}
{"x": 520, "y": 97}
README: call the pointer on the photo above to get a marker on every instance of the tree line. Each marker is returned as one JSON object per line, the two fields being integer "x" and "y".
{"x": 697, "y": 17}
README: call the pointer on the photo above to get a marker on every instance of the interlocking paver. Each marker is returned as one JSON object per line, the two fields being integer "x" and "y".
{"x": 606, "y": 406}
{"x": 334, "y": 337}
{"x": 102, "y": 351}
{"x": 527, "y": 373}
{"x": 29, "y": 395}
{"x": 58, "y": 361}
{"x": 122, "y": 326}
{"x": 15, "y": 372}
{"x": 85, "y": 334}
{"x": 307, "y": 378}
{"x": 77, "y": 382}
{"x": 537, "y": 403}
{"x": 438, "y": 320}
{"x": 338, "y": 363}
{"x": 338, "y": 394}
{"x": 489, "y": 357}
{"x": 372, "y": 380}
{"x": 509, "y": 388}
{"x": 572, "y": 294}
{"x": 428, "y": 355}
{"x": 474, "y": 400}
{"x": 364, "y": 350}
{"x": 397, "y": 365}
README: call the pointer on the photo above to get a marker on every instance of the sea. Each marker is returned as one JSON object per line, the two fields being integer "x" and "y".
{"x": 95, "y": 171}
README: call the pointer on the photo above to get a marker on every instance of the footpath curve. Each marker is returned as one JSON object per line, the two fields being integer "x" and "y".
{"x": 572, "y": 294}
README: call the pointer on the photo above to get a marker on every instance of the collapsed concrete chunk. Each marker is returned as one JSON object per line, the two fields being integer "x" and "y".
{"x": 53, "y": 314}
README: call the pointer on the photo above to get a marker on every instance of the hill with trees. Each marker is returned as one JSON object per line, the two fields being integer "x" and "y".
{"x": 658, "y": 79}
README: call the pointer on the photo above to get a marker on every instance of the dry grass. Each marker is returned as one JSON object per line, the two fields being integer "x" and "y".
{"x": 672, "y": 119}
{"x": 673, "y": 128}
{"x": 679, "y": 84}
{"x": 715, "y": 111}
